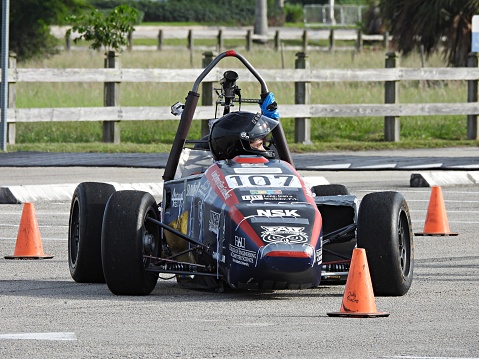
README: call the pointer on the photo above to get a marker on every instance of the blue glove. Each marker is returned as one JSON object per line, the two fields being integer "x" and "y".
{"x": 269, "y": 107}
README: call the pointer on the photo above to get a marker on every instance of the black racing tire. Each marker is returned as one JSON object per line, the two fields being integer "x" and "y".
{"x": 126, "y": 236}
{"x": 84, "y": 231}
{"x": 385, "y": 231}
{"x": 330, "y": 190}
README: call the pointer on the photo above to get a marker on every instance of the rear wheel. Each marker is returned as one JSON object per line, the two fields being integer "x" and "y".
{"x": 84, "y": 231}
{"x": 127, "y": 236}
{"x": 385, "y": 231}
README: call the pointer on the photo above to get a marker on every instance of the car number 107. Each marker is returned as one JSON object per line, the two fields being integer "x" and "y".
{"x": 263, "y": 181}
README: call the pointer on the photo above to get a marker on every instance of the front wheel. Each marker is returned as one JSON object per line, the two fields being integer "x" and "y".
{"x": 385, "y": 231}
{"x": 127, "y": 236}
{"x": 84, "y": 231}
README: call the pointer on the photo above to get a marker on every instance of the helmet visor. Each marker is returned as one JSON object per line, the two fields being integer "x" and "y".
{"x": 262, "y": 126}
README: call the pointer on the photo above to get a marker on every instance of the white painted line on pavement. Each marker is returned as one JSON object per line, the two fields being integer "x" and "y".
{"x": 338, "y": 166}
{"x": 40, "y": 226}
{"x": 40, "y": 336}
{"x": 43, "y": 239}
{"x": 422, "y": 166}
{"x": 466, "y": 166}
{"x": 445, "y": 201}
{"x": 423, "y": 210}
{"x": 449, "y": 221}
{"x": 388, "y": 165}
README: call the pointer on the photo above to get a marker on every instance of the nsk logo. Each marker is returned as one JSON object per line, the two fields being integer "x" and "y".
{"x": 277, "y": 212}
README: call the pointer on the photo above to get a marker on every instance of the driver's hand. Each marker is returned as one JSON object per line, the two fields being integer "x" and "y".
{"x": 269, "y": 107}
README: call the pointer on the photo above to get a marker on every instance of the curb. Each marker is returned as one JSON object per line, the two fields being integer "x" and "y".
{"x": 64, "y": 192}
{"x": 444, "y": 178}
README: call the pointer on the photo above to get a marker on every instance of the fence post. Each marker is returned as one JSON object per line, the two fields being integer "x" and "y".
{"x": 331, "y": 40}
{"x": 206, "y": 91}
{"x": 220, "y": 40}
{"x": 392, "y": 124}
{"x": 129, "y": 46}
{"x": 277, "y": 40}
{"x": 305, "y": 41}
{"x": 68, "y": 43}
{"x": 111, "y": 93}
{"x": 386, "y": 40}
{"x": 249, "y": 40}
{"x": 302, "y": 95}
{"x": 190, "y": 40}
{"x": 359, "y": 41}
{"x": 472, "y": 87}
{"x": 12, "y": 99}
{"x": 160, "y": 40}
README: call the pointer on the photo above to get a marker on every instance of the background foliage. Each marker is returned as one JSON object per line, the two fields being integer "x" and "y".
{"x": 406, "y": 20}
{"x": 107, "y": 31}
{"x": 30, "y": 22}
{"x": 208, "y": 11}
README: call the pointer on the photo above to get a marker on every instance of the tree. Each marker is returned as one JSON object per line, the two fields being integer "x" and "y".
{"x": 30, "y": 21}
{"x": 109, "y": 31}
{"x": 260, "y": 18}
{"x": 425, "y": 23}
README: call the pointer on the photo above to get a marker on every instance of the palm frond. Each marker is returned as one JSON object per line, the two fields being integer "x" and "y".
{"x": 426, "y": 23}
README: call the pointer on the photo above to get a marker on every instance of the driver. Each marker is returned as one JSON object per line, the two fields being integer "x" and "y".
{"x": 245, "y": 133}
{"x": 241, "y": 133}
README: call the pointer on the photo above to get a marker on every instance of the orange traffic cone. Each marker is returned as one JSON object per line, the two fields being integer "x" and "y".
{"x": 358, "y": 299}
{"x": 436, "y": 218}
{"x": 29, "y": 244}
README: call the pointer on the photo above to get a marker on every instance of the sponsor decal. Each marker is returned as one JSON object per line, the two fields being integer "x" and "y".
{"x": 280, "y": 197}
{"x": 242, "y": 256}
{"x": 255, "y": 119}
{"x": 220, "y": 184}
{"x": 214, "y": 222}
{"x": 277, "y": 213}
{"x": 205, "y": 186}
{"x": 271, "y": 197}
{"x": 256, "y": 197}
{"x": 284, "y": 234}
{"x": 204, "y": 189}
{"x": 263, "y": 180}
{"x": 262, "y": 169}
{"x": 176, "y": 198}
{"x": 319, "y": 255}
{"x": 191, "y": 189}
{"x": 266, "y": 191}
{"x": 240, "y": 242}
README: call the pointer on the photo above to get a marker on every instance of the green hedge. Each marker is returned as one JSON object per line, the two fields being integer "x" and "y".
{"x": 208, "y": 11}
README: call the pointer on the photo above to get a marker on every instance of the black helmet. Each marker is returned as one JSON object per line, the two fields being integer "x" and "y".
{"x": 232, "y": 135}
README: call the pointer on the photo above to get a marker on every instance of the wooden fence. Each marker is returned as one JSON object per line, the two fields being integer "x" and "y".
{"x": 308, "y": 38}
{"x": 302, "y": 111}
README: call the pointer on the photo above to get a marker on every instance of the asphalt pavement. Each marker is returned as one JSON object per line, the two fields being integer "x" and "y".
{"x": 465, "y": 158}
{"x": 426, "y": 167}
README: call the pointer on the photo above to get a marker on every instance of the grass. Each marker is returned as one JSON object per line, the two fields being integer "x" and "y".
{"x": 328, "y": 134}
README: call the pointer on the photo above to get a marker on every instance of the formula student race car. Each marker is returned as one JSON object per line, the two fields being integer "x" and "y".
{"x": 236, "y": 215}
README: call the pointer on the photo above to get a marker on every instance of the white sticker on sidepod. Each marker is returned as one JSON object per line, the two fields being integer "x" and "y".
{"x": 289, "y": 181}
{"x": 262, "y": 169}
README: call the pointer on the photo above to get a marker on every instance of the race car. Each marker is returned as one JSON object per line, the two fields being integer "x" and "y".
{"x": 235, "y": 213}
